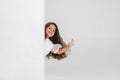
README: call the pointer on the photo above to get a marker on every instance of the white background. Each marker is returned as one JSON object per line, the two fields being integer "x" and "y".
{"x": 95, "y": 27}
{"x": 21, "y": 40}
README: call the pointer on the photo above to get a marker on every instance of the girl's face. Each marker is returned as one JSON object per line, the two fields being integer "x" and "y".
{"x": 50, "y": 31}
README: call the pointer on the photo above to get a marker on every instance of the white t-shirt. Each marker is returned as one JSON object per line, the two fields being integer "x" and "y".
{"x": 50, "y": 47}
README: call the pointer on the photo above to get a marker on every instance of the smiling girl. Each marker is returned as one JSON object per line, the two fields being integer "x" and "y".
{"x": 54, "y": 45}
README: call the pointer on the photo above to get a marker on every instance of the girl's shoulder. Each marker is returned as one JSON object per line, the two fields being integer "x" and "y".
{"x": 48, "y": 41}
{"x": 48, "y": 46}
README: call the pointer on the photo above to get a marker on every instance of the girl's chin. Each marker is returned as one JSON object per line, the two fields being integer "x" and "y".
{"x": 49, "y": 36}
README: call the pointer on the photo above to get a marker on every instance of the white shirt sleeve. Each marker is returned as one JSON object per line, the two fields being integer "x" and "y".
{"x": 49, "y": 46}
{"x": 55, "y": 48}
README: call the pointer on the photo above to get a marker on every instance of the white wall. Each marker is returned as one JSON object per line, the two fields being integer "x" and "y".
{"x": 21, "y": 39}
{"x": 95, "y": 27}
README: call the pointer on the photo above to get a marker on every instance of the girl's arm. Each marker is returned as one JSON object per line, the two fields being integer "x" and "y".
{"x": 66, "y": 48}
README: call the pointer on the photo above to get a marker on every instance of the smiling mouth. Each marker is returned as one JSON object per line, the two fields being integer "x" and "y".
{"x": 49, "y": 32}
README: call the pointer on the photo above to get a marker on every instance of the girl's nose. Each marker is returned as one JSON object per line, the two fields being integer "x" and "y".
{"x": 51, "y": 31}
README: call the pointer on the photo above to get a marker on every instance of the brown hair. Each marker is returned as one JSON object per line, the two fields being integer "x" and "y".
{"x": 56, "y": 39}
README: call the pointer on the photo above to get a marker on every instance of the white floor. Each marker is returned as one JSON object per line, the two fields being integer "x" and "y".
{"x": 82, "y": 77}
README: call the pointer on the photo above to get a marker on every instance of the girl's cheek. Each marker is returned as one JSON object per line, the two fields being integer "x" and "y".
{"x": 47, "y": 33}
{"x": 53, "y": 34}
{"x": 49, "y": 30}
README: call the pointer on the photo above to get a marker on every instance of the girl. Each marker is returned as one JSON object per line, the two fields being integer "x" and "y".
{"x": 54, "y": 45}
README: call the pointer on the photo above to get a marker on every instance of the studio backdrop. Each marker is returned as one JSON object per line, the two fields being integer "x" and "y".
{"x": 95, "y": 27}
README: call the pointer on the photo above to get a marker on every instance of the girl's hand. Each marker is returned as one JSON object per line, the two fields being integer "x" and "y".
{"x": 71, "y": 43}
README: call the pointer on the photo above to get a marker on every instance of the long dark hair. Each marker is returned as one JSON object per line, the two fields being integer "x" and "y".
{"x": 56, "y": 39}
